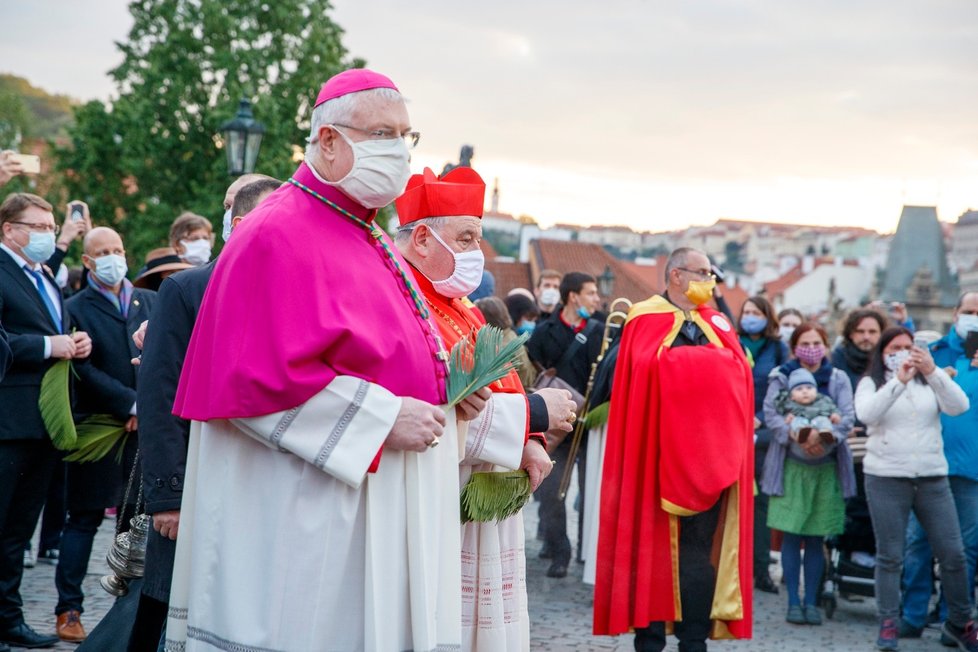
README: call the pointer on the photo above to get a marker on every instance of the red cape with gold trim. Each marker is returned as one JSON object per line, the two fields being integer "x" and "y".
{"x": 680, "y": 437}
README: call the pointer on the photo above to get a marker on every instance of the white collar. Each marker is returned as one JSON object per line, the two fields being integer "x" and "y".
{"x": 20, "y": 260}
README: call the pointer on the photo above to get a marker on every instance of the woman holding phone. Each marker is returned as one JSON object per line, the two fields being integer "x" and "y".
{"x": 900, "y": 400}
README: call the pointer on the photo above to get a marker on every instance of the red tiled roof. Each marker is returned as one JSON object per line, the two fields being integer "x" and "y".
{"x": 488, "y": 250}
{"x": 779, "y": 285}
{"x": 653, "y": 276}
{"x": 591, "y": 259}
{"x": 509, "y": 275}
{"x": 735, "y": 297}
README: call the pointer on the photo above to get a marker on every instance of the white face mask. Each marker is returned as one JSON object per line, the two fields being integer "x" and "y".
{"x": 467, "y": 275}
{"x": 786, "y": 332}
{"x": 196, "y": 252}
{"x": 894, "y": 360}
{"x": 965, "y": 324}
{"x": 226, "y": 231}
{"x": 549, "y": 297}
{"x": 111, "y": 269}
{"x": 379, "y": 174}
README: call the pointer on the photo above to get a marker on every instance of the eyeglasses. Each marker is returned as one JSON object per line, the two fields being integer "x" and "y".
{"x": 703, "y": 274}
{"x": 411, "y": 138}
{"x": 41, "y": 228}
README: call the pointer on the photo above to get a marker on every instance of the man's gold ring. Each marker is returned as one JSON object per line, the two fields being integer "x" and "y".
{"x": 573, "y": 417}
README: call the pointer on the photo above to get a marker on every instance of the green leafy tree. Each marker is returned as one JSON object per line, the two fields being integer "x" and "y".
{"x": 154, "y": 153}
{"x": 14, "y": 119}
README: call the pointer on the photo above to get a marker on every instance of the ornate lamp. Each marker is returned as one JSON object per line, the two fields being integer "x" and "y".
{"x": 242, "y": 139}
{"x": 606, "y": 282}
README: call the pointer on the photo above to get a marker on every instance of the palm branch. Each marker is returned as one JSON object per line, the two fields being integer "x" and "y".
{"x": 97, "y": 436}
{"x": 597, "y": 416}
{"x": 472, "y": 366}
{"x": 494, "y": 496}
{"x": 55, "y": 406}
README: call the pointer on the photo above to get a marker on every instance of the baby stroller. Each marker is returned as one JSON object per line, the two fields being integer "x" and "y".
{"x": 851, "y": 556}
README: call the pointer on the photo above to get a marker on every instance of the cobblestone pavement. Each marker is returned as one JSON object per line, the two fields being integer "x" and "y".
{"x": 560, "y": 609}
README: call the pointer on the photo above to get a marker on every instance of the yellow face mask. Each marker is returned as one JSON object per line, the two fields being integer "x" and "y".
{"x": 699, "y": 292}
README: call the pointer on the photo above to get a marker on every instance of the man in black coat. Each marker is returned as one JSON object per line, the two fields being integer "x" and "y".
{"x": 5, "y": 355}
{"x": 166, "y": 436}
{"x": 567, "y": 342}
{"x": 38, "y": 327}
{"x": 110, "y": 310}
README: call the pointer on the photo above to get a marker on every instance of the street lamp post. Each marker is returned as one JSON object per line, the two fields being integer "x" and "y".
{"x": 606, "y": 284}
{"x": 242, "y": 139}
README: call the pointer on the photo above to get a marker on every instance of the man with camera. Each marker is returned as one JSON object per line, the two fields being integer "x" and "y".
{"x": 956, "y": 354}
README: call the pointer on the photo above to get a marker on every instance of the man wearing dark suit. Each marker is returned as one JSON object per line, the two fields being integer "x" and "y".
{"x": 165, "y": 436}
{"x": 38, "y": 328}
{"x": 5, "y": 354}
{"x": 110, "y": 310}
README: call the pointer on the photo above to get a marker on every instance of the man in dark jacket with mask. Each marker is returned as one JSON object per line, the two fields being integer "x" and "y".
{"x": 566, "y": 344}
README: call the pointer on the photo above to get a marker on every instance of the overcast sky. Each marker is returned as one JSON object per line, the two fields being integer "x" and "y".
{"x": 649, "y": 113}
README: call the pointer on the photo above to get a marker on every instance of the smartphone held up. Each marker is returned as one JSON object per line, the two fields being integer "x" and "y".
{"x": 29, "y": 163}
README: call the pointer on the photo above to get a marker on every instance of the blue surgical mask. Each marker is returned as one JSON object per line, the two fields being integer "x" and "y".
{"x": 966, "y": 324}
{"x": 111, "y": 269}
{"x": 525, "y": 326}
{"x": 583, "y": 313}
{"x": 40, "y": 247}
{"x": 753, "y": 324}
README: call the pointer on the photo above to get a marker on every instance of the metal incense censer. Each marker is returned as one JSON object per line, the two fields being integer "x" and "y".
{"x": 127, "y": 556}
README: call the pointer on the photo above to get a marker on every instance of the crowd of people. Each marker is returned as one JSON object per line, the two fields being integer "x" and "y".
{"x": 285, "y": 422}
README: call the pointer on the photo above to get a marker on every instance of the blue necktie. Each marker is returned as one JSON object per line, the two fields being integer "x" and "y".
{"x": 52, "y": 311}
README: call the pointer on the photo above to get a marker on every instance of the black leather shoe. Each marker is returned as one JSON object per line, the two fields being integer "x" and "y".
{"x": 557, "y": 569}
{"x": 765, "y": 584}
{"x": 23, "y": 636}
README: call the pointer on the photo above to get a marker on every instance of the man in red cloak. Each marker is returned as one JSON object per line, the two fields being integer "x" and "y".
{"x": 675, "y": 537}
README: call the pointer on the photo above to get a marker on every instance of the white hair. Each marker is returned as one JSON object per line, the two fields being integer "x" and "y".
{"x": 403, "y": 234}
{"x": 340, "y": 110}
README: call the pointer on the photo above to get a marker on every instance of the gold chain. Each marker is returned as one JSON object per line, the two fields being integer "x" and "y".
{"x": 451, "y": 322}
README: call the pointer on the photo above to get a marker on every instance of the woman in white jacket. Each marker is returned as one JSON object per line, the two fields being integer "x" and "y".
{"x": 900, "y": 401}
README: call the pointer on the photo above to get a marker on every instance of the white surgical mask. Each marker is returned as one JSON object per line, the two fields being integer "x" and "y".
{"x": 549, "y": 297}
{"x": 467, "y": 274}
{"x": 786, "y": 332}
{"x": 226, "y": 230}
{"x": 965, "y": 324}
{"x": 379, "y": 174}
{"x": 196, "y": 252}
{"x": 111, "y": 269}
{"x": 894, "y": 360}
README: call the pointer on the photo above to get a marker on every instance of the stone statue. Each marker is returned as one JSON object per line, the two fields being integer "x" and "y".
{"x": 464, "y": 159}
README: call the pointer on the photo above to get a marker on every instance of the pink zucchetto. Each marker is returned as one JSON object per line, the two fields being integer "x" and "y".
{"x": 352, "y": 81}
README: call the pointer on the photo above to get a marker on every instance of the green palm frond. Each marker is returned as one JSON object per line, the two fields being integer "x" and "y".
{"x": 494, "y": 496}
{"x": 473, "y": 366}
{"x": 55, "y": 406}
{"x": 97, "y": 436}
{"x": 597, "y": 416}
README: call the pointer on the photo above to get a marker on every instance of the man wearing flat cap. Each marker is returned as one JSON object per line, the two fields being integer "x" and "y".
{"x": 319, "y": 511}
{"x": 439, "y": 236}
